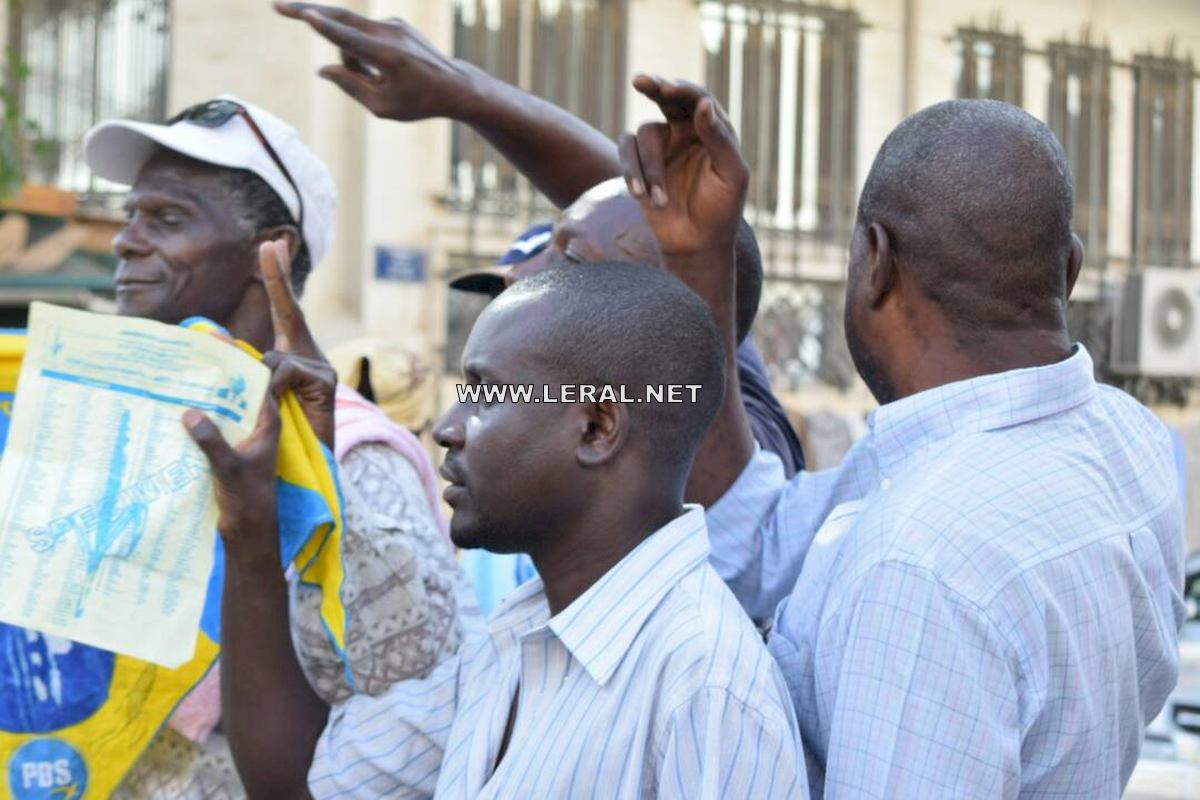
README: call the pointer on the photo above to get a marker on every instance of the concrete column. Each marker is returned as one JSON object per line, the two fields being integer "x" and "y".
{"x": 908, "y": 58}
{"x": 407, "y": 171}
{"x": 662, "y": 38}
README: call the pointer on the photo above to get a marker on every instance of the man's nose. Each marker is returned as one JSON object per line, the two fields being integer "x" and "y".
{"x": 450, "y": 430}
{"x": 129, "y": 242}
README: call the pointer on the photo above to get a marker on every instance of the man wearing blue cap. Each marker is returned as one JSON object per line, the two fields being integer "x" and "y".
{"x": 491, "y": 280}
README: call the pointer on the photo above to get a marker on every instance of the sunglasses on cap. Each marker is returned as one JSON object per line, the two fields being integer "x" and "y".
{"x": 215, "y": 113}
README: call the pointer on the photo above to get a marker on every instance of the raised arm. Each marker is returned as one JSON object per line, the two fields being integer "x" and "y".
{"x": 396, "y": 73}
{"x": 272, "y": 717}
{"x": 690, "y": 177}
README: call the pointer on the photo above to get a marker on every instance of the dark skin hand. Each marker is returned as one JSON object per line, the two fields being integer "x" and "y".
{"x": 390, "y": 68}
{"x": 270, "y": 713}
{"x": 689, "y": 174}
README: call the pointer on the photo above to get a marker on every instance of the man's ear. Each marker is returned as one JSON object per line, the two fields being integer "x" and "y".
{"x": 1074, "y": 263}
{"x": 604, "y": 426}
{"x": 288, "y": 233}
{"x": 880, "y": 265}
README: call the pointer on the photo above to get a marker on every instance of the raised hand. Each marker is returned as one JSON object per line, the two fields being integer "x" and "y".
{"x": 690, "y": 177}
{"x": 296, "y": 362}
{"x": 387, "y": 65}
{"x": 688, "y": 171}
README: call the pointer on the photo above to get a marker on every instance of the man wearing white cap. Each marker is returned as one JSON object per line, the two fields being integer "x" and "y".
{"x": 208, "y": 187}
{"x": 232, "y": 172}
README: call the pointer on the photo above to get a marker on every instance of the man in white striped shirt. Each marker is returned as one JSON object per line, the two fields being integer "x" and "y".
{"x": 628, "y": 671}
{"x": 984, "y": 599}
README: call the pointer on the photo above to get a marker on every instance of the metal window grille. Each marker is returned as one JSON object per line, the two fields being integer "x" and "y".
{"x": 787, "y": 72}
{"x": 1080, "y": 108}
{"x": 87, "y": 60}
{"x": 570, "y": 52}
{"x": 1162, "y": 171}
{"x": 990, "y": 65}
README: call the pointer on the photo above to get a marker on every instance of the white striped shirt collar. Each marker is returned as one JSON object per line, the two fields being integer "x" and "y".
{"x": 905, "y": 427}
{"x": 601, "y": 625}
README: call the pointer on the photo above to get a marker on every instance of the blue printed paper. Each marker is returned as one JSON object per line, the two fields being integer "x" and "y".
{"x": 106, "y": 506}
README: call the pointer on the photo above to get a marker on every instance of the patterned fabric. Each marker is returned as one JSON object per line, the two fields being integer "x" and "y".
{"x": 360, "y": 421}
{"x": 652, "y": 683}
{"x": 404, "y": 592}
{"x": 409, "y": 605}
{"x": 176, "y": 768}
{"x": 983, "y": 600}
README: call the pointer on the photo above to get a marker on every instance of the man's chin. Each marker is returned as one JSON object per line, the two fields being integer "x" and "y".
{"x": 464, "y": 540}
{"x": 467, "y": 534}
{"x": 464, "y": 533}
{"x": 144, "y": 304}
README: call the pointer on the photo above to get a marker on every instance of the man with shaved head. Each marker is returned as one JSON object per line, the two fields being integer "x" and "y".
{"x": 628, "y": 671}
{"x": 984, "y": 599}
{"x": 978, "y": 198}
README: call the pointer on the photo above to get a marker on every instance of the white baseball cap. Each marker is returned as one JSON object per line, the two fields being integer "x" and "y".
{"x": 218, "y": 134}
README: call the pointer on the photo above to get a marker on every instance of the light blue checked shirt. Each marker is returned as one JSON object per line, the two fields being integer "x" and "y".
{"x": 653, "y": 683}
{"x": 983, "y": 600}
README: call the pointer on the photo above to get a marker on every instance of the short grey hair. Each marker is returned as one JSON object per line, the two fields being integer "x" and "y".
{"x": 257, "y": 208}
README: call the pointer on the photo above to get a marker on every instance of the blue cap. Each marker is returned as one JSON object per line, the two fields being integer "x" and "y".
{"x": 490, "y": 280}
{"x": 528, "y": 245}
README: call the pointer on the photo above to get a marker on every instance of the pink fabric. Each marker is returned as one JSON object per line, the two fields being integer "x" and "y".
{"x": 358, "y": 421}
{"x": 200, "y": 711}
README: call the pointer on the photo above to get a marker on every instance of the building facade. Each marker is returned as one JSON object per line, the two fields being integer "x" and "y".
{"x": 813, "y": 87}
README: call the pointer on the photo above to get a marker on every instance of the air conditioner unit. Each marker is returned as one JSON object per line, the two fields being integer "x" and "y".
{"x": 1156, "y": 328}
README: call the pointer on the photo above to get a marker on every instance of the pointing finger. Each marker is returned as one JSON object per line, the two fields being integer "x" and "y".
{"x": 342, "y": 15}
{"x": 355, "y": 40}
{"x": 291, "y": 330}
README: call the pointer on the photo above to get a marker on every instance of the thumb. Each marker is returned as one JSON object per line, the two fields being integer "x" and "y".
{"x": 355, "y": 83}
{"x": 208, "y": 438}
